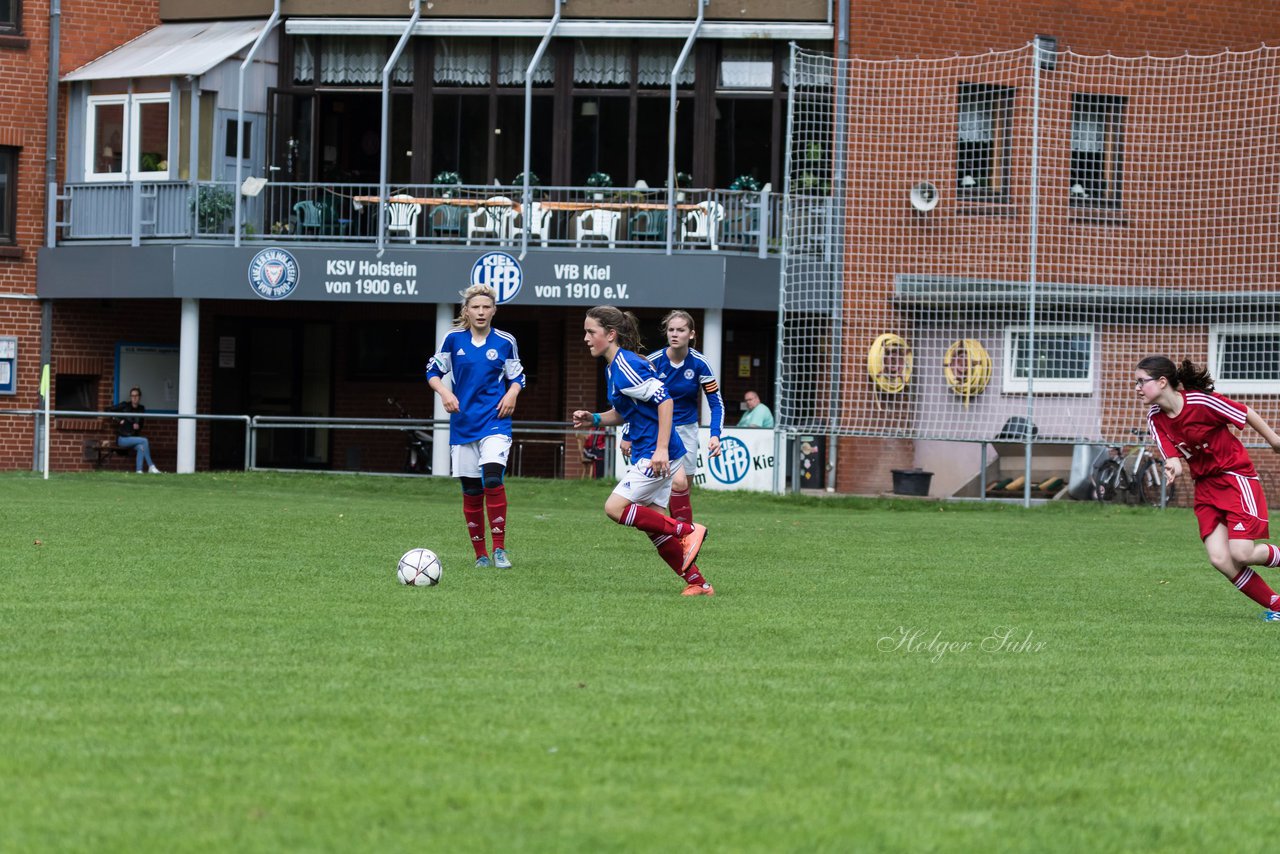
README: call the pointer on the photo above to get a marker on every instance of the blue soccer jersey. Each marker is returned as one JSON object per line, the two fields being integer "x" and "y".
{"x": 635, "y": 393}
{"x": 683, "y": 382}
{"x": 481, "y": 376}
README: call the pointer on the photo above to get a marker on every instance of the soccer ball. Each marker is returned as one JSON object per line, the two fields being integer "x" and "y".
{"x": 419, "y": 568}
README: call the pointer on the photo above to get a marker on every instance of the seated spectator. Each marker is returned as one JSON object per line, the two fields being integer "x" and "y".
{"x": 757, "y": 414}
{"x": 129, "y": 430}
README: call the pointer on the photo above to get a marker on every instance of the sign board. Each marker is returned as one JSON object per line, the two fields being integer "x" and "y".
{"x": 745, "y": 461}
{"x": 8, "y": 364}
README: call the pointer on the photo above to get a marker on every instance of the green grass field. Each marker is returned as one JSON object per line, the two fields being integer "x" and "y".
{"x": 225, "y": 662}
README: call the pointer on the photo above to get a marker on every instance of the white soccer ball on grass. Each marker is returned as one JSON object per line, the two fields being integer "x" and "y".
{"x": 419, "y": 568}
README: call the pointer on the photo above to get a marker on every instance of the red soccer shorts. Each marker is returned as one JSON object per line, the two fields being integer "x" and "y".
{"x": 1232, "y": 500}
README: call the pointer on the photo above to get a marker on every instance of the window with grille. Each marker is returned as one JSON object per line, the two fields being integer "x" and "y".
{"x": 1245, "y": 359}
{"x": 1057, "y": 359}
{"x": 1097, "y": 149}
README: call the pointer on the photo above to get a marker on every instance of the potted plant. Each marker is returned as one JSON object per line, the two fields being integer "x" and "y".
{"x": 213, "y": 207}
{"x": 599, "y": 179}
{"x": 535, "y": 185}
{"x": 683, "y": 181}
{"x": 745, "y": 183}
{"x": 448, "y": 179}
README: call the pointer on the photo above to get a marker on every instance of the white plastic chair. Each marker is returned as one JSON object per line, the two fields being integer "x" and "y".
{"x": 539, "y": 223}
{"x": 703, "y": 224}
{"x": 491, "y": 220}
{"x": 596, "y": 224}
{"x": 402, "y": 217}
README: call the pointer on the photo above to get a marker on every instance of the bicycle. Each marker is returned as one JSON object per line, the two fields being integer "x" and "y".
{"x": 1132, "y": 475}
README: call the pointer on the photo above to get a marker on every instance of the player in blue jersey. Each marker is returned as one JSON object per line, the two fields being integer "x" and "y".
{"x": 687, "y": 376}
{"x": 640, "y": 400}
{"x": 487, "y": 378}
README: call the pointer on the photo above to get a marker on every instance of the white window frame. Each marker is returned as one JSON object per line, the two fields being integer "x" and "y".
{"x": 1230, "y": 386}
{"x": 91, "y": 136}
{"x": 129, "y": 139}
{"x": 1019, "y": 385}
{"x": 135, "y": 134}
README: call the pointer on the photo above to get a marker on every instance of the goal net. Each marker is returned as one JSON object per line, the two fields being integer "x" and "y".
{"x": 978, "y": 239}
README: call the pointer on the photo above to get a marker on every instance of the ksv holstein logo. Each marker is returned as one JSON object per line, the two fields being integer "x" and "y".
{"x": 273, "y": 273}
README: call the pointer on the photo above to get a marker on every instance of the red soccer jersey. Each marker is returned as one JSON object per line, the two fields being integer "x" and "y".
{"x": 1200, "y": 434}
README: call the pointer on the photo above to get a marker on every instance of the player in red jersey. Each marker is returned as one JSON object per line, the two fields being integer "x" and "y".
{"x": 1191, "y": 425}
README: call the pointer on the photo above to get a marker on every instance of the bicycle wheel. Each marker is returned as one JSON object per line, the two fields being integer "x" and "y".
{"x": 1150, "y": 477}
{"x": 1106, "y": 481}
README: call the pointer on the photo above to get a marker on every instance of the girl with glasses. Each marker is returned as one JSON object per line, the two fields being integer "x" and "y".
{"x": 1191, "y": 425}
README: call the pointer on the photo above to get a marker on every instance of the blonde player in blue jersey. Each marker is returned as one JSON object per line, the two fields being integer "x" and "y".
{"x": 687, "y": 376}
{"x": 640, "y": 400}
{"x": 487, "y": 378}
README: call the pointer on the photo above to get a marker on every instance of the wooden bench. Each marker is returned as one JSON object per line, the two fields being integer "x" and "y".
{"x": 100, "y": 449}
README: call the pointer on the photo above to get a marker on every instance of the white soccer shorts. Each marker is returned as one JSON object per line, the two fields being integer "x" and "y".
{"x": 466, "y": 460}
{"x": 639, "y": 486}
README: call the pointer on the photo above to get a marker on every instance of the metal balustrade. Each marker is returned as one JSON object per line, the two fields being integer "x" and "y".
{"x": 465, "y": 214}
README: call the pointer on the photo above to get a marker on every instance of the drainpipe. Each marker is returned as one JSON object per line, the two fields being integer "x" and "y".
{"x": 671, "y": 126}
{"x": 51, "y": 208}
{"x": 386, "y": 120}
{"x": 51, "y": 124}
{"x": 253, "y": 51}
{"x": 525, "y": 199}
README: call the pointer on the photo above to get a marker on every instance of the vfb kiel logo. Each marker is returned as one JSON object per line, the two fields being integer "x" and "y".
{"x": 733, "y": 463}
{"x": 499, "y": 271}
{"x": 273, "y": 274}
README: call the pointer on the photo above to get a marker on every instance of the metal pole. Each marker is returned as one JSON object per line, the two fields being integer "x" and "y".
{"x": 386, "y": 113}
{"x": 837, "y": 234}
{"x": 262, "y": 36}
{"x": 525, "y": 199}
{"x": 671, "y": 126}
{"x": 1031, "y": 271}
{"x": 782, "y": 270}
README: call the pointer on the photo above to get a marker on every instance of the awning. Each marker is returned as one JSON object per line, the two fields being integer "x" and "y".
{"x": 775, "y": 30}
{"x": 172, "y": 50}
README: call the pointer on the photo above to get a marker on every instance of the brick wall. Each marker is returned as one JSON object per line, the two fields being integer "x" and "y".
{"x": 88, "y": 30}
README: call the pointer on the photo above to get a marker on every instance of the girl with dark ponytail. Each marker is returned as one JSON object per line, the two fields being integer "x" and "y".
{"x": 640, "y": 400}
{"x": 1191, "y": 425}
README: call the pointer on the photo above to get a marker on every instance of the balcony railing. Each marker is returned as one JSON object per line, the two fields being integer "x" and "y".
{"x": 423, "y": 215}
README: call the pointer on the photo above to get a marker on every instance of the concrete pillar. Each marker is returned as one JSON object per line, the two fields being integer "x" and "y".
{"x": 188, "y": 352}
{"x": 440, "y": 442}
{"x": 710, "y": 343}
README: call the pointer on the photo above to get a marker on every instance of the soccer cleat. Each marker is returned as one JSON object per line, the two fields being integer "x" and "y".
{"x": 500, "y": 559}
{"x": 482, "y": 562}
{"x": 154, "y": 470}
{"x": 698, "y": 590}
{"x": 692, "y": 544}
{"x": 1271, "y": 616}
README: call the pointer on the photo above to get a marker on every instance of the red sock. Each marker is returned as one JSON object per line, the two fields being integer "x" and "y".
{"x": 681, "y": 510}
{"x": 672, "y": 552}
{"x": 495, "y": 499}
{"x": 1273, "y": 555}
{"x": 473, "y": 512}
{"x": 1251, "y": 584}
{"x": 652, "y": 522}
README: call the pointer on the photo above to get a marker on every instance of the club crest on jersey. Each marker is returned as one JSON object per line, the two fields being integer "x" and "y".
{"x": 273, "y": 273}
{"x": 491, "y": 354}
{"x": 688, "y": 373}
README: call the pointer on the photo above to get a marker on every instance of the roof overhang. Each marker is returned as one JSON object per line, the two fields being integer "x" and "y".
{"x": 172, "y": 50}
{"x": 772, "y": 30}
